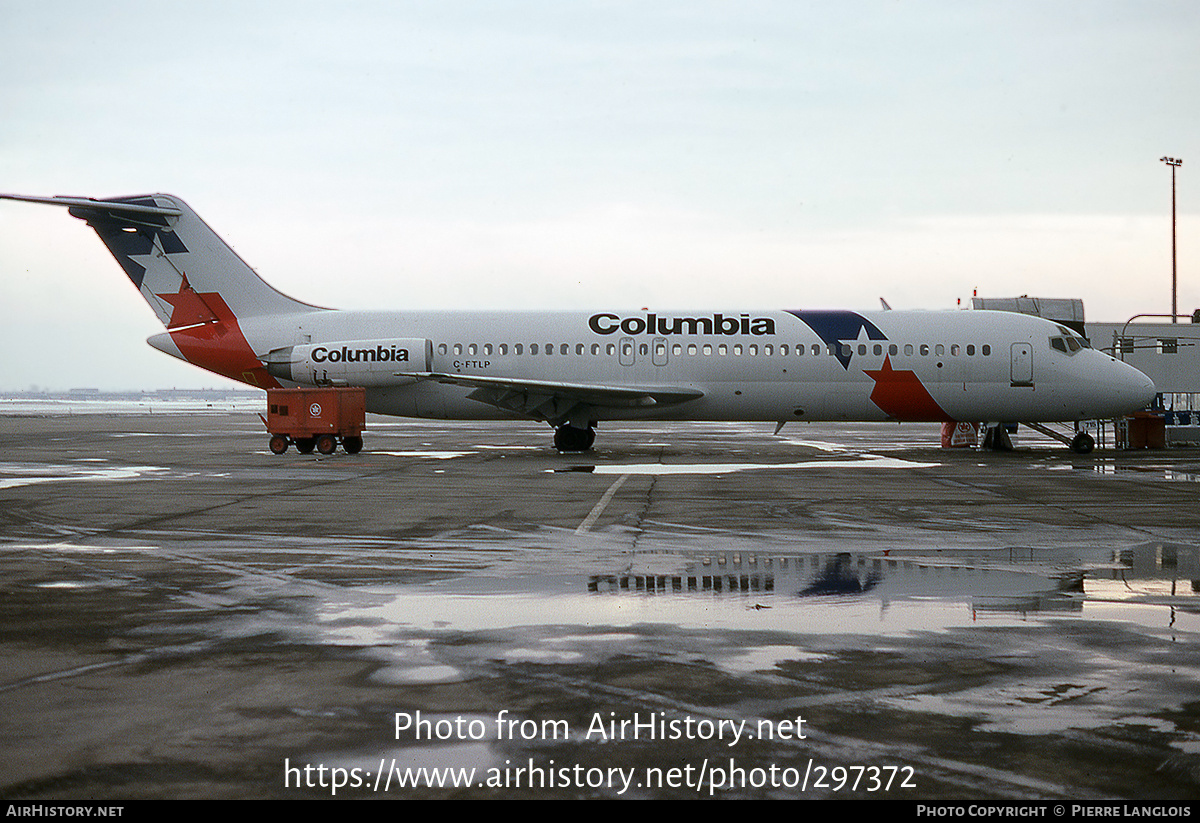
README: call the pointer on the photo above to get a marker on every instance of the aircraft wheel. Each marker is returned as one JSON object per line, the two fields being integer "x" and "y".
{"x": 305, "y": 445}
{"x": 278, "y": 444}
{"x": 1083, "y": 443}
{"x": 573, "y": 439}
{"x": 326, "y": 443}
{"x": 352, "y": 445}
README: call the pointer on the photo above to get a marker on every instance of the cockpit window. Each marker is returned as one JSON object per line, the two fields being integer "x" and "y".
{"x": 1068, "y": 345}
{"x": 1080, "y": 342}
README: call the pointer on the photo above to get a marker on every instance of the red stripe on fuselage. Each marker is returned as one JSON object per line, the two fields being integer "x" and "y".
{"x": 207, "y": 334}
{"x": 902, "y": 396}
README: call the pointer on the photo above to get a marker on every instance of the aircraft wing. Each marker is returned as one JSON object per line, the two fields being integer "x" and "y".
{"x": 553, "y": 401}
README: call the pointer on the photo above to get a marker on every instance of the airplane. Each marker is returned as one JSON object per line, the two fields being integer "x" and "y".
{"x": 573, "y": 370}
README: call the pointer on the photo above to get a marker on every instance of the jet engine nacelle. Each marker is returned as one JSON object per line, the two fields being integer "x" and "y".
{"x": 351, "y": 362}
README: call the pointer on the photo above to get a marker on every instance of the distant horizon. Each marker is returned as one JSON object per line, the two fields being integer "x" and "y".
{"x": 235, "y": 389}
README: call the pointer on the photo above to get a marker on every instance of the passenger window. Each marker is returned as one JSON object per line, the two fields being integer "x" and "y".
{"x": 987, "y": 350}
{"x": 707, "y": 349}
{"x": 862, "y": 348}
{"x": 939, "y": 349}
{"x": 970, "y": 350}
{"x": 893, "y": 349}
{"x": 549, "y": 348}
{"x": 878, "y": 349}
{"x": 817, "y": 350}
{"x": 677, "y": 349}
{"x": 722, "y": 349}
{"x": 924, "y": 350}
{"x": 458, "y": 348}
{"x": 533, "y": 348}
{"x": 752, "y": 350}
{"x": 487, "y": 348}
{"x": 737, "y": 349}
{"x": 691, "y": 348}
{"x": 954, "y": 350}
{"x": 768, "y": 351}
{"x": 643, "y": 349}
{"x": 472, "y": 349}
{"x": 610, "y": 349}
{"x": 595, "y": 348}
{"x": 565, "y": 349}
{"x": 579, "y": 348}
{"x": 908, "y": 349}
{"x": 518, "y": 348}
{"x": 442, "y": 349}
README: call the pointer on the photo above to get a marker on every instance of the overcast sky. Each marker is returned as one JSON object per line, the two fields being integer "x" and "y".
{"x": 596, "y": 155}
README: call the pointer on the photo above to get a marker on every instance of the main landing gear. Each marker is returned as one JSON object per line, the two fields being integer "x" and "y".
{"x": 568, "y": 438}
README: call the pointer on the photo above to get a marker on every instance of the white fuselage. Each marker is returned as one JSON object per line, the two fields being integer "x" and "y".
{"x": 768, "y": 366}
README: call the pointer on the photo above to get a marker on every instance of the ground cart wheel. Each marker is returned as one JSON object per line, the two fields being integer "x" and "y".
{"x": 352, "y": 445}
{"x": 304, "y": 445}
{"x": 326, "y": 444}
{"x": 278, "y": 444}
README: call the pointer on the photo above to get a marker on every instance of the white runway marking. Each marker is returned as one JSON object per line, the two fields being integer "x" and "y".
{"x": 598, "y": 509}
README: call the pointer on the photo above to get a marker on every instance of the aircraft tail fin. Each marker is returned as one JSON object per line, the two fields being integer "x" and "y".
{"x": 197, "y": 285}
{"x": 182, "y": 268}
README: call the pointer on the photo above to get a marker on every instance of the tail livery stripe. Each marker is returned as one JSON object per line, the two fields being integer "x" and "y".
{"x": 207, "y": 334}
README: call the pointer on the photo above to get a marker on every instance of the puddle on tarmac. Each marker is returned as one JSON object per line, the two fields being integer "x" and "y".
{"x": 813, "y": 594}
{"x": 433, "y": 455}
{"x": 1151, "y": 472}
{"x": 24, "y": 474}
{"x": 865, "y": 461}
{"x": 1016, "y": 640}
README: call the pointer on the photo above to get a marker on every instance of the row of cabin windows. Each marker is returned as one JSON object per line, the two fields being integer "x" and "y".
{"x": 738, "y": 350}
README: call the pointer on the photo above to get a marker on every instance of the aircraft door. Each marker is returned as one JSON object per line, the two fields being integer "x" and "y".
{"x": 658, "y": 351}
{"x": 1022, "y": 364}
{"x": 626, "y": 351}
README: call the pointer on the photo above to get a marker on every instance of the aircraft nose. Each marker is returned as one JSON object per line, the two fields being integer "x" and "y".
{"x": 1133, "y": 386}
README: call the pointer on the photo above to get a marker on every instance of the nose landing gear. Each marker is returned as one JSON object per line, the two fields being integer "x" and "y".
{"x": 1083, "y": 443}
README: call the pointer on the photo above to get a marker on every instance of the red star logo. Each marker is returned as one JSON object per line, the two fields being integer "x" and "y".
{"x": 188, "y": 307}
{"x": 903, "y": 396}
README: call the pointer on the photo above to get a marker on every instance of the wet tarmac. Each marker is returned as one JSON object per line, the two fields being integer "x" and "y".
{"x": 691, "y": 610}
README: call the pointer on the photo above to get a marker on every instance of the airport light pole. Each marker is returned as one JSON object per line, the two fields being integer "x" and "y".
{"x": 1174, "y": 163}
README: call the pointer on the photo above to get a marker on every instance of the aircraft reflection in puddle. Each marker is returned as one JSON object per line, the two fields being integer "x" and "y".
{"x": 1153, "y": 472}
{"x": 1158, "y": 572}
{"x": 1009, "y": 579}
